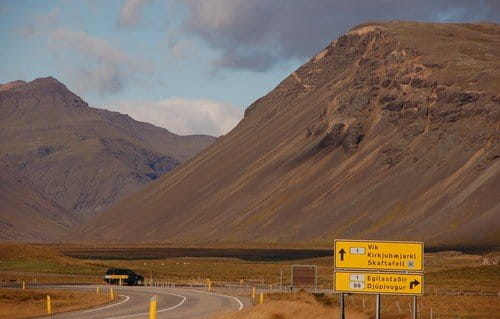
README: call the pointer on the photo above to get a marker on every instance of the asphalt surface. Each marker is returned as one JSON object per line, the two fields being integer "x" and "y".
{"x": 172, "y": 303}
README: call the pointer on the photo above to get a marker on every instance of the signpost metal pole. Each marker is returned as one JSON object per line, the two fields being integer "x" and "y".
{"x": 342, "y": 308}
{"x": 281, "y": 279}
{"x": 377, "y": 307}
{"x": 315, "y": 278}
{"x": 414, "y": 312}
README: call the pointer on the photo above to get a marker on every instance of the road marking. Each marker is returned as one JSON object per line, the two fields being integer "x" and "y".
{"x": 221, "y": 295}
{"x": 109, "y": 306}
{"x": 161, "y": 310}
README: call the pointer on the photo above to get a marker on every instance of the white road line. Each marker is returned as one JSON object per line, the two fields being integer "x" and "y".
{"x": 217, "y": 294}
{"x": 109, "y": 306}
{"x": 161, "y": 310}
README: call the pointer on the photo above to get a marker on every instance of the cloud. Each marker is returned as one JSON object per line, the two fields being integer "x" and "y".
{"x": 257, "y": 35}
{"x": 184, "y": 116}
{"x": 40, "y": 24}
{"x": 130, "y": 13}
{"x": 181, "y": 49}
{"x": 104, "y": 68}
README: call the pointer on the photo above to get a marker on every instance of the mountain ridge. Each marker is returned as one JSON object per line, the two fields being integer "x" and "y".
{"x": 391, "y": 132}
{"x": 82, "y": 157}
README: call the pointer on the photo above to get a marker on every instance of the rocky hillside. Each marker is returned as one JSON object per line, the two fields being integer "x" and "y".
{"x": 26, "y": 214}
{"x": 82, "y": 158}
{"x": 391, "y": 132}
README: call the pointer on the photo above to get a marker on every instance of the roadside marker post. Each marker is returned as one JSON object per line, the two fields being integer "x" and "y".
{"x": 111, "y": 294}
{"x": 209, "y": 285}
{"x": 152, "y": 308}
{"x": 97, "y": 289}
{"x": 24, "y": 285}
{"x": 261, "y": 301}
{"x": 49, "y": 305}
{"x": 253, "y": 293}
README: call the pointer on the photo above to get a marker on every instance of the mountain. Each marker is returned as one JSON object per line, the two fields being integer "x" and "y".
{"x": 391, "y": 132}
{"x": 82, "y": 158}
{"x": 27, "y": 215}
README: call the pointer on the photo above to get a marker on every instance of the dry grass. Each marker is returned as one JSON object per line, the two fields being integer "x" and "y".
{"x": 394, "y": 307}
{"x": 290, "y": 306}
{"x": 304, "y": 305}
{"x": 444, "y": 271}
{"x": 16, "y": 303}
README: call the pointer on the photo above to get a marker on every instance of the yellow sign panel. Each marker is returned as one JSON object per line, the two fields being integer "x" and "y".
{"x": 379, "y": 283}
{"x": 382, "y": 255}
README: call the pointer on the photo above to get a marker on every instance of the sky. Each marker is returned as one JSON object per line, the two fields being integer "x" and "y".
{"x": 189, "y": 66}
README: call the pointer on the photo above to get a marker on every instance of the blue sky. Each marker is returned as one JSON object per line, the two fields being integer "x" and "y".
{"x": 190, "y": 66}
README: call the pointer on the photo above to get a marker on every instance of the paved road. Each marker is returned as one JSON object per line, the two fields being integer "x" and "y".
{"x": 172, "y": 303}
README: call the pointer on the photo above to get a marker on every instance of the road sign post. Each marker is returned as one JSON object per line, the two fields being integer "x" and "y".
{"x": 342, "y": 306}
{"x": 377, "y": 307}
{"x": 414, "y": 314}
{"x": 378, "y": 267}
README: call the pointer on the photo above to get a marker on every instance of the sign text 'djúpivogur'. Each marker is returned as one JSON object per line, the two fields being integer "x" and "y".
{"x": 378, "y": 283}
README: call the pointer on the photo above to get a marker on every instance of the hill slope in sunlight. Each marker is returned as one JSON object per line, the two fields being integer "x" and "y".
{"x": 391, "y": 132}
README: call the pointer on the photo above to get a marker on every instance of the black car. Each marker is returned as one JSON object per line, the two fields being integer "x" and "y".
{"x": 127, "y": 277}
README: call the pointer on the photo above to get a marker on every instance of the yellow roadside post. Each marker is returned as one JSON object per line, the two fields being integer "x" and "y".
{"x": 261, "y": 298}
{"x": 49, "y": 305}
{"x": 97, "y": 289}
{"x": 253, "y": 293}
{"x": 152, "y": 308}
{"x": 209, "y": 285}
{"x": 111, "y": 293}
{"x": 24, "y": 285}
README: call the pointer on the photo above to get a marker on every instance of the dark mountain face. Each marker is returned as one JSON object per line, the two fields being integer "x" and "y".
{"x": 83, "y": 158}
{"x": 391, "y": 132}
{"x": 29, "y": 215}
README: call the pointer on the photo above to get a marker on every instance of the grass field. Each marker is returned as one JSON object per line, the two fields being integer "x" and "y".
{"x": 446, "y": 274}
{"x": 297, "y": 306}
{"x": 16, "y": 303}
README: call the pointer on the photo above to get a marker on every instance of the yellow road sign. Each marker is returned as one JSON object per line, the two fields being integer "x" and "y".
{"x": 379, "y": 283}
{"x": 380, "y": 255}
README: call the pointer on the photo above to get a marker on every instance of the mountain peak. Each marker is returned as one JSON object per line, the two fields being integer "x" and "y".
{"x": 48, "y": 83}
{"x": 390, "y": 132}
{"x": 43, "y": 89}
{"x": 11, "y": 85}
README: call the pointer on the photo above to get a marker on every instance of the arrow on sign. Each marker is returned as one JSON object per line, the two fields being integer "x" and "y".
{"x": 414, "y": 283}
{"x": 342, "y": 253}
